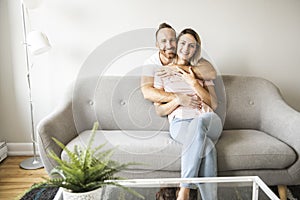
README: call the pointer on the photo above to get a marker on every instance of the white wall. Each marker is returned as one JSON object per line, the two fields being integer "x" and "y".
{"x": 255, "y": 38}
{"x": 14, "y": 118}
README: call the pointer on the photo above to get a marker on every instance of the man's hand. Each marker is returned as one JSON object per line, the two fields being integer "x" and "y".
{"x": 188, "y": 100}
{"x": 153, "y": 94}
{"x": 164, "y": 72}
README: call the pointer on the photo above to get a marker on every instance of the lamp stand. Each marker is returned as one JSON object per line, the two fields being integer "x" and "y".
{"x": 35, "y": 162}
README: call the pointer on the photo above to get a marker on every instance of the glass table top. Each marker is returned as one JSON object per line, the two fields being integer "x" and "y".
{"x": 227, "y": 188}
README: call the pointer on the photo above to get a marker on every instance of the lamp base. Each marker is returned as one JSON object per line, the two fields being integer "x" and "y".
{"x": 32, "y": 163}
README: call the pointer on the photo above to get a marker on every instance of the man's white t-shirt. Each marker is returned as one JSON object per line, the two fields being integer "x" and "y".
{"x": 151, "y": 65}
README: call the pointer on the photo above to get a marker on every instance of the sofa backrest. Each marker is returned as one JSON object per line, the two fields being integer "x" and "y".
{"x": 118, "y": 104}
{"x": 247, "y": 98}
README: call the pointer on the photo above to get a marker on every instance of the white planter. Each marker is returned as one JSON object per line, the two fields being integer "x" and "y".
{"x": 91, "y": 195}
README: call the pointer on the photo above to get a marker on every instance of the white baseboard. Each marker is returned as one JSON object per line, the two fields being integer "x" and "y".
{"x": 21, "y": 149}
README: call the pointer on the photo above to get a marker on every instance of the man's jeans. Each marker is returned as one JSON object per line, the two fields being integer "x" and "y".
{"x": 199, "y": 157}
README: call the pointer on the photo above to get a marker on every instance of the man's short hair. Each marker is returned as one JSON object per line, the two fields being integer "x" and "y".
{"x": 163, "y": 25}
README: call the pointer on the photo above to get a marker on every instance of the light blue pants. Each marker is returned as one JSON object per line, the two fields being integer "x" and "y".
{"x": 199, "y": 157}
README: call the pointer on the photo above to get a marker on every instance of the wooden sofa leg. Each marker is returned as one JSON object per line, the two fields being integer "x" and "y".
{"x": 282, "y": 190}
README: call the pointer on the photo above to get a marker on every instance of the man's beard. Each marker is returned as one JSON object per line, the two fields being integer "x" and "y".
{"x": 168, "y": 54}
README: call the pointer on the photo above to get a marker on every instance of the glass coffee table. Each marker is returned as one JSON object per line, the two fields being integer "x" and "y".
{"x": 229, "y": 188}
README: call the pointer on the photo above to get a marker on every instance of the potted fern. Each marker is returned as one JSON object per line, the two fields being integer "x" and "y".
{"x": 86, "y": 172}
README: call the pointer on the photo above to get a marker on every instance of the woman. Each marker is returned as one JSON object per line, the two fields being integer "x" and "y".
{"x": 197, "y": 127}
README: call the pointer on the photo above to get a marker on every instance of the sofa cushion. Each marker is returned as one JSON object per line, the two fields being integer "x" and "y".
{"x": 117, "y": 103}
{"x": 246, "y": 98}
{"x": 155, "y": 150}
{"x": 252, "y": 149}
{"x": 237, "y": 149}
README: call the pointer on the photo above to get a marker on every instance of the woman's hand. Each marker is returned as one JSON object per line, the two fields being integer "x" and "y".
{"x": 189, "y": 77}
{"x": 201, "y": 92}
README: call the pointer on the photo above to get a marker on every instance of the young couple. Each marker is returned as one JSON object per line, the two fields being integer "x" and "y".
{"x": 180, "y": 83}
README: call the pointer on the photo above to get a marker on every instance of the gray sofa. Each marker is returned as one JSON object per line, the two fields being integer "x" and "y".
{"x": 261, "y": 132}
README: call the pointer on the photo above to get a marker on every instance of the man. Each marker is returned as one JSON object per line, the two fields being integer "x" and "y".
{"x": 167, "y": 44}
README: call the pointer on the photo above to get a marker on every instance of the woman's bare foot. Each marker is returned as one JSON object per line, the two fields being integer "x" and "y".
{"x": 183, "y": 194}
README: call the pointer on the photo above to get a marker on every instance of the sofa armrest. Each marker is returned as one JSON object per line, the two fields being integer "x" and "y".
{"x": 60, "y": 125}
{"x": 283, "y": 122}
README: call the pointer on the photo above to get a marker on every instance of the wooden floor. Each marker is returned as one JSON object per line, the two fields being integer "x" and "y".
{"x": 14, "y": 181}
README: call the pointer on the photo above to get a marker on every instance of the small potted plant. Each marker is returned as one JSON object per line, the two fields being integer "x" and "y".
{"x": 86, "y": 172}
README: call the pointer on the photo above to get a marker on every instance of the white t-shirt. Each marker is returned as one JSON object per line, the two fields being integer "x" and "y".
{"x": 151, "y": 65}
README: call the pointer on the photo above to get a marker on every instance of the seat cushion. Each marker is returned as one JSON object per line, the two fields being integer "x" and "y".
{"x": 252, "y": 149}
{"x": 153, "y": 149}
{"x": 237, "y": 149}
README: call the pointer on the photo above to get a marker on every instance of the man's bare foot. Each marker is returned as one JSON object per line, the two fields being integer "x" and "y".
{"x": 183, "y": 194}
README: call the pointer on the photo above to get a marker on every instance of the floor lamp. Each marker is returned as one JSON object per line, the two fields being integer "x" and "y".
{"x": 37, "y": 43}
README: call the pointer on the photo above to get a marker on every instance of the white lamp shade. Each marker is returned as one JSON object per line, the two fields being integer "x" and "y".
{"x": 32, "y": 4}
{"x": 38, "y": 42}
